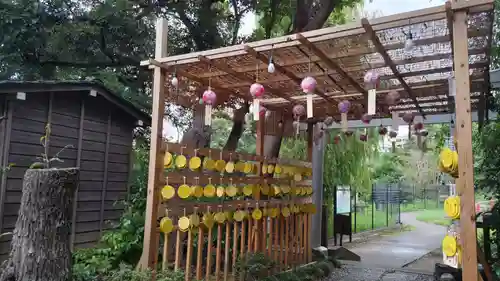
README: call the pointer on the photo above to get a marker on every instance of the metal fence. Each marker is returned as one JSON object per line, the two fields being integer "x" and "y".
{"x": 382, "y": 206}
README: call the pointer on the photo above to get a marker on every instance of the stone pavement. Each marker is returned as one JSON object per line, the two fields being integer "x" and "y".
{"x": 396, "y": 251}
{"x": 352, "y": 272}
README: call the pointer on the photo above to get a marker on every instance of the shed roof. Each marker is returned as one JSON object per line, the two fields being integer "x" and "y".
{"x": 43, "y": 86}
{"x": 338, "y": 57}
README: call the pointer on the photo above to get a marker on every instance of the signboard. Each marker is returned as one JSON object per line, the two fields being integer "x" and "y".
{"x": 343, "y": 199}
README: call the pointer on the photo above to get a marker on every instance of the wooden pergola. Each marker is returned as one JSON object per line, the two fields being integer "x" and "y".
{"x": 452, "y": 40}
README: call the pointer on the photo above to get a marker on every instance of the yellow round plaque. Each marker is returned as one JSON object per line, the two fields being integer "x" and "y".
{"x": 231, "y": 191}
{"x": 247, "y": 168}
{"x": 209, "y": 190}
{"x": 238, "y": 216}
{"x": 449, "y": 245}
{"x": 220, "y": 191}
{"x": 270, "y": 169}
{"x": 285, "y": 189}
{"x": 257, "y": 214}
{"x": 239, "y": 166}
{"x": 167, "y": 159}
{"x": 209, "y": 164}
{"x": 208, "y": 220}
{"x": 277, "y": 189}
{"x": 247, "y": 189}
{"x": 220, "y": 165}
{"x": 184, "y": 191}
{"x": 230, "y": 167}
{"x": 265, "y": 212}
{"x": 274, "y": 212}
{"x": 167, "y": 192}
{"x": 166, "y": 225}
{"x": 220, "y": 217}
{"x": 277, "y": 169}
{"x": 180, "y": 161}
{"x": 194, "y": 220}
{"x": 297, "y": 177}
{"x": 452, "y": 207}
{"x": 264, "y": 188}
{"x": 197, "y": 191}
{"x": 183, "y": 224}
{"x": 194, "y": 163}
{"x": 264, "y": 169}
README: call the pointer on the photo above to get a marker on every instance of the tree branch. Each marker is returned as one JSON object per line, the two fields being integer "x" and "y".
{"x": 323, "y": 11}
{"x": 273, "y": 10}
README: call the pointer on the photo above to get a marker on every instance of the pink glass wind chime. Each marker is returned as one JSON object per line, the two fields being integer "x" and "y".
{"x": 208, "y": 99}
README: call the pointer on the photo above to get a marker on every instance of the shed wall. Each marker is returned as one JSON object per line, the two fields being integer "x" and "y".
{"x": 100, "y": 136}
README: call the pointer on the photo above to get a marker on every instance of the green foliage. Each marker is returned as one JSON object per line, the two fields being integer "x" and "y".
{"x": 348, "y": 161}
{"x": 125, "y": 272}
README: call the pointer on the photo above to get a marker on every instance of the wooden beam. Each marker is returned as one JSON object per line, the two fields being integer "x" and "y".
{"x": 304, "y": 41}
{"x": 449, "y": 23}
{"x": 155, "y": 172}
{"x": 286, "y": 72}
{"x": 378, "y": 45}
{"x": 465, "y": 182}
{"x": 241, "y": 76}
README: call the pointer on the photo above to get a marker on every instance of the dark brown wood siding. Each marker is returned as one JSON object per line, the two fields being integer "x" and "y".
{"x": 106, "y": 134}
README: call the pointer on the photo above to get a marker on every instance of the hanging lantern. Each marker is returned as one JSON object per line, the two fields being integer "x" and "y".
{"x": 409, "y": 44}
{"x": 343, "y": 109}
{"x": 366, "y": 118}
{"x": 175, "y": 81}
{"x": 372, "y": 80}
{"x": 408, "y": 117}
{"x": 270, "y": 67}
{"x": 382, "y": 130}
{"x": 418, "y": 126}
{"x": 308, "y": 85}
{"x": 298, "y": 111}
{"x": 257, "y": 92}
{"x": 393, "y": 134}
{"x": 363, "y": 137}
{"x": 209, "y": 97}
{"x": 392, "y": 97}
{"x": 349, "y": 133}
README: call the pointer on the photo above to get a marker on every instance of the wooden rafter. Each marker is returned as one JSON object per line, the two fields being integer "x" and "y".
{"x": 380, "y": 48}
{"x": 241, "y": 76}
{"x": 304, "y": 41}
{"x": 449, "y": 23}
{"x": 214, "y": 85}
{"x": 285, "y": 71}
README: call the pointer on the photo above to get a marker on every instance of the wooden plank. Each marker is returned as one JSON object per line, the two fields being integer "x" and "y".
{"x": 465, "y": 182}
{"x": 178, "y": 250}
{"x": 381, "y": 50}
{"x": 227, "y": 244}
{"x": 218, "y": 255}
{"x": 155, "y": 157}
{"x": 208, "y": 270}
{"x": 105, "y": 171}
{"x": 187, "y": 276}
{"x": 235, "y": 248}
{"x": 241, "y": 76}
{"x": 7, "y": 129}
{"x": 199, "y": 254}
{"x": 216, "y": 154}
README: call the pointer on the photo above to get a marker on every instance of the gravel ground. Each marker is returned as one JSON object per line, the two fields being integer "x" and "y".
{"x": 350, "y": 272}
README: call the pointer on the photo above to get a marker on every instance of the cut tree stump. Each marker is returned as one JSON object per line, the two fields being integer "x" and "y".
{"x": 40, "y": 247}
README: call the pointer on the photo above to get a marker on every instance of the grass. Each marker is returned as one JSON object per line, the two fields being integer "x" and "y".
{"x": 434, "y": 216}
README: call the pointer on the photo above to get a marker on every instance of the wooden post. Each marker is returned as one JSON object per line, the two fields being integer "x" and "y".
{"x": 155, "y": 157}
{"x": 465, "y": 182}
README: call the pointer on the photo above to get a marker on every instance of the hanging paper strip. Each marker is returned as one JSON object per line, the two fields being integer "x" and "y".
{"x": 372, "y": 101}
{"x": 395, "y": 121}
{"x": 208, "y": 114}
{"x": 256, "y": 109}
{"x": 452, "y": 87}
{"x": 309, "y": 105}
{"x": 343, "y": 121}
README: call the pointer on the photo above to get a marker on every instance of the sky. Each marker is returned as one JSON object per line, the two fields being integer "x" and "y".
{"x": 385, "y": 7}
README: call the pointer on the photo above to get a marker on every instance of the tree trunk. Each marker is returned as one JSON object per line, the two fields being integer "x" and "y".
{"x": 40, "y": 247}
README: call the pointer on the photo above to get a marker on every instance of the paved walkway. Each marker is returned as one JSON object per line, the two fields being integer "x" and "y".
{"x": 398, "y": 250}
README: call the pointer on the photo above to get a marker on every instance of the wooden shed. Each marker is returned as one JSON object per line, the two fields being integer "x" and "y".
{"x": 99, "y": 126}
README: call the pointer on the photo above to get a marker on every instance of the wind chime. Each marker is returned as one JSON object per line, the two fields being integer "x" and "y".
{"x": 208, "y": 98}
{"x": 308, "y": 86}
{"x": 372, "y": 81}
{"x": 257, "y": 91}
{"x": 344, "y": 107}
{"x": 298, "y": 112}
